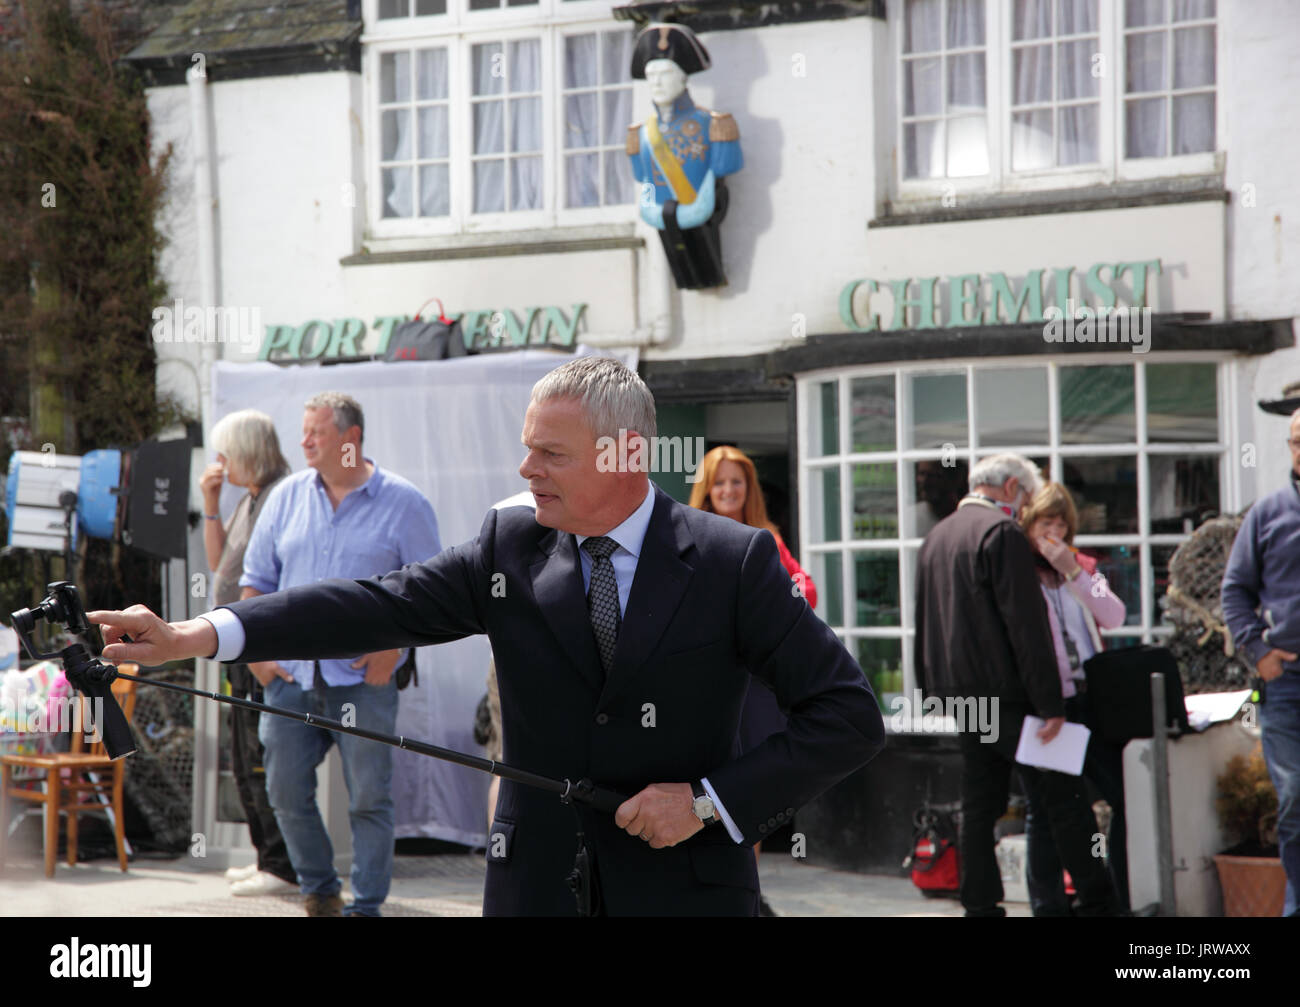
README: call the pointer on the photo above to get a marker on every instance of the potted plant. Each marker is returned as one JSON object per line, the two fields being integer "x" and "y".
{"x": 1250, "y": 873}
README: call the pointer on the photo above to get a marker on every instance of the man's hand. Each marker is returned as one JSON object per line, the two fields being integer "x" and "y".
{"x": 154, "y": 642}
{"x": 662, "y": 814}
{"x": 379, "y": 666}
{"x": 264, "y": 671}
{"x": 1050, "y": 729}
{"x": 1270, "y": 665}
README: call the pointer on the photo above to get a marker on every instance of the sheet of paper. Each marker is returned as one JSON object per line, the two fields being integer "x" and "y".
{"x": 1064, "y": 753}
{"x": 1209, "y": 708}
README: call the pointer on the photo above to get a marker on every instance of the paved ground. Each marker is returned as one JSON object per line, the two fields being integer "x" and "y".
{"x": 441, "y": 885}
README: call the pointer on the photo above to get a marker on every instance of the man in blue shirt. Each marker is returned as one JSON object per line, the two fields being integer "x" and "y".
{"x": 1261, "y": 605}
{"x": 341, "y": 517}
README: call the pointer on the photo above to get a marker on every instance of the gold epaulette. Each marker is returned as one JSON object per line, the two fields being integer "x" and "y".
{"x": 634, "y": 139}
{"x": 722, "y": 127}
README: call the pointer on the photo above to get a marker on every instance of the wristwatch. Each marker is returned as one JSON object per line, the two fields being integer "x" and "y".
{"x": 703, "y": 806}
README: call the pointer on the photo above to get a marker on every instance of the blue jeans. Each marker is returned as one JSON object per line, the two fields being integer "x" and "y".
{"x": 1279, "y": 718}
{"x": 294, "y": 750}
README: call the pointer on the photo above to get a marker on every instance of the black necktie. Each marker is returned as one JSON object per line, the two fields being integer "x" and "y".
{"x": 602, "y": 598}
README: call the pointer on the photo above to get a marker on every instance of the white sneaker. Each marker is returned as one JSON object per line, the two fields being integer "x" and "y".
{"x": 262, "y": 883}
{"x": 241, "y": 873}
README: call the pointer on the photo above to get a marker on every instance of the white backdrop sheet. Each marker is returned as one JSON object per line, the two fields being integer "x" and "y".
{"x": 452, "y": 428}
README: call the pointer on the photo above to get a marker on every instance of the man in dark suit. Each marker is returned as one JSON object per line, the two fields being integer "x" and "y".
{"x": 624, "y": 628}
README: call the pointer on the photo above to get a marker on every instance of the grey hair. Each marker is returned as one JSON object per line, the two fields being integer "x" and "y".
{"x": 346, "y": 409}
{"x": 613, "y": 396}
{"x": 997, "y": 469}
{"x": 248, "y": 440}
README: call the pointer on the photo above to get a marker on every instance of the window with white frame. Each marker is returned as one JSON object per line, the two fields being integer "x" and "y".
{"x": 1033, "y": 93}
{"x": 885, "y": 452}
{"x": 497, "y": 113}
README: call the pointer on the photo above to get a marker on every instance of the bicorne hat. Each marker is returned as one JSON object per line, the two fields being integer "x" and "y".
{"x": 669, "y": 41}
{"x": 1287, "y": 404}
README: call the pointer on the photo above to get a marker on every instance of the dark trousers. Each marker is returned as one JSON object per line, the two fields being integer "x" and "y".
{"x": 250, "y": 779}
{"x": 985, "y": 790}
{"x": 1103, "y": 767}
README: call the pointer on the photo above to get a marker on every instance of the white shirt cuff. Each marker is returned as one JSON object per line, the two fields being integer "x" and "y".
{"x": 732, "y": 831}
{"x": 230, "y": 634}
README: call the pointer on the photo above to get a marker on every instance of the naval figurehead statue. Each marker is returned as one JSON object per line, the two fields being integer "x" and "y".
{"x": 681, "y": 156}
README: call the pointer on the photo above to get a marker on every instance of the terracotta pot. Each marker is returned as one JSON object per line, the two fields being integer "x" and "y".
{"x": 1252, "y": 886}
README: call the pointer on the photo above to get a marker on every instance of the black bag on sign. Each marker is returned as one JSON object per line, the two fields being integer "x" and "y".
{"x": 428, "y": 339}
{"x": 1119, "y": 692}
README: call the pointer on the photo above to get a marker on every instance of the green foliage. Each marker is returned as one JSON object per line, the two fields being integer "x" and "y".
{"x": 1247, "y": 801}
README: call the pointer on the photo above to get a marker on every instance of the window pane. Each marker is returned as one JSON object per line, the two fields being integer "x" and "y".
{"x": 1145, "y": 128}
{"x": 1193, "y": 57}
{"x": 1184, "y": 492}
{"x": 489, "y": 186}
{"x": 525, "y": 65}
{"x": 966, "y": 82}
{"x": 397, "y": 192}
{"x": 425, "y": 8}
{"x": 1075, "y": 17}
{"x": 392, "y": 8}
{"x": 615, "y": 57}
{"x": 875, "y": 589}
{"x": 882, "y": 663}
{"x": 580, "y": 61}
{"x": 965, "y": 23}
{"x": 1011, "y": 406}
{"x": 922, "y": 87}
{"x": 921, "y": 25}
{"x": 1031, "y": 19}
{"x": 1182, "y": 403}
{"x": 581, "y": 184}
{"x": 394, "y": 77}
{"x": 1145, "y": 61}
{"x": 433, "y": 131}
{"x": 1105, "y": 493}
{"x": 435, "y": 191}
{"x": 580, "y": 126}
{"x": 1193, "y": 123}
{"x": 825, "y": 431}
{"x": 489, "y": 68}
{"x": 825, "y": 508}
{"x": 1079, "y": 130}
{"x": 1031, "y": 140}
{"x": 618, "y": 113}
{"x": 1097, "y": 405}
{"x": 619, "y": 187}
{"x": 484, "y": 4}
{"x": 875, "y": 500}
{"x": 1188, "y": 10}
{"x": 873, "y": 413}
{"x": 923, "y": 150}
{"x": 430, "y": 74}
{"x": 395, "y": 144}
{"x": 938, "y": 410}
{"x": 489, "y": 130}
{"x": 1031, "y": 76}
{"x": 1143, "y": 12}
{"x": 525, "y": 125}
{"x": 1076, "y": 79}
{"x": 968, "y": 147}
{"x": 1160, "y": 557}
{"x": 826, "y": 569}
{"x": 935, "y": 490}
{"x": 1121, "y": 566}
{"x": 525, "y": 183}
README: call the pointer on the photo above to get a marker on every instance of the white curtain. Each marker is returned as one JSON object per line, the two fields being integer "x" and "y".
{"x": 452, "y": 428}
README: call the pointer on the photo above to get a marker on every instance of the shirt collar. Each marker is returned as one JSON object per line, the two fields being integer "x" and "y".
{"x": 681, "y": 105}
{"x": 631, "y": 533}
{"x": 370, "y": 487}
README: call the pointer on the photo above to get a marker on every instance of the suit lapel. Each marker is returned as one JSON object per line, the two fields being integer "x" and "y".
{"x": 657, "y": 590}
{"x": 557, "y": 586}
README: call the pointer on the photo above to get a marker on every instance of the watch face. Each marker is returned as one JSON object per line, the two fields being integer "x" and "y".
{"x": 703, "y": 809}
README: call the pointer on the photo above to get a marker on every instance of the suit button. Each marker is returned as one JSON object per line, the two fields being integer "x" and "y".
{"x": 761, "y": 827}
{"x": 789, "y": 812}
{"x": 780, "y": 816}
{"x": 602, "y": 718}
{"x": 771, "y": 823}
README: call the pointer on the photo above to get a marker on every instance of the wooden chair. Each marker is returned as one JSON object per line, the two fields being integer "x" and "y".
{"x": 90, "y": 773}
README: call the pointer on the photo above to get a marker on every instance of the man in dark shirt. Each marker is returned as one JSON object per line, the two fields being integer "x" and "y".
{"x": 982, "y": 637}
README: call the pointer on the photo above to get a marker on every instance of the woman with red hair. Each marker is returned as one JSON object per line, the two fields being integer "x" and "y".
{"x": 727, "y": 484}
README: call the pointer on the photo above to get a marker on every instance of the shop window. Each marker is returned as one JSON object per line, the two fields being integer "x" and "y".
{"x": 1105, "y": 493}
{"x": 1182, "y": 403}
{"x": 1184, "y": 491}
{"x": 872, "y": 401}
{"x": 936, "y": 486}
{"x": 825, "y": 505}
{"x": 875, "y": 500}
{"x": 875, "y": 589}
{"x": 881, "y": 659}
{"x": 938, "y": 411}
{"x": 1160, "y": 557}
{"x": 1121, "y": 565}
{"x": 1097, "y": 405}
{"x": 826, "y": 432}
{"x": 1011, "y": 406}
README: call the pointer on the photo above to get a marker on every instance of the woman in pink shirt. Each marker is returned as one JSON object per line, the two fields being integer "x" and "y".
{"x": 1078, "y": 601}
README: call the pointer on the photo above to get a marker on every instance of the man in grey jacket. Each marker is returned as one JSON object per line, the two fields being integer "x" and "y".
{"x": 1261, "y": 605}
{"x": 982, "y": 637}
